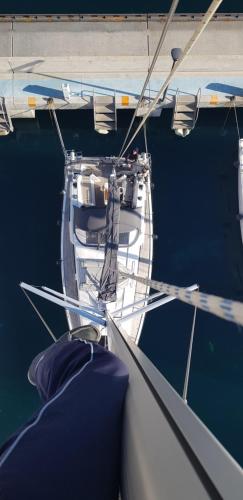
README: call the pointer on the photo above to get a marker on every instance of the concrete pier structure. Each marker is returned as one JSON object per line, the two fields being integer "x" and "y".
{"x": 72, "y": 58}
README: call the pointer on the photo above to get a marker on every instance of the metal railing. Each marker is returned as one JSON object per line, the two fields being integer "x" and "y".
{"x": 5, "y": 114}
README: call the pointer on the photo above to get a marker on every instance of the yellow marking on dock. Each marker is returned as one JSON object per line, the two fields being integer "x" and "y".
{"x": 115, "y": 18}
{"x": 125, "y": 100}
{"x": 32, "y": 102}
{"x": 214, "y": 99}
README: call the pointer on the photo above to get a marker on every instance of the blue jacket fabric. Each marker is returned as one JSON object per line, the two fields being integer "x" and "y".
{"x": 69, "y": 450}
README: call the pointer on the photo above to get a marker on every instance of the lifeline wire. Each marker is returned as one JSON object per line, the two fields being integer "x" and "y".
{"x": 40, "y": 316}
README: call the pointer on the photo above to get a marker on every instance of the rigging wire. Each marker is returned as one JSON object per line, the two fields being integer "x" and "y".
{"x": 50, "y": 114}
{"x": 40, "y": 316}
{"x": 145, "y": 138}
{"x": 227, "y": 116}
{"x": 237, "y": 123}
{"x": 157, "y": 52}
{"x": 189, "y": 357}
{"x": 53, "y": 113}
{"x": 190, "y": 44}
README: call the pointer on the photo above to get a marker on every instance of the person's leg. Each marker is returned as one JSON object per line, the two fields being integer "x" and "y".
{"x": 76, "y": 435}
{"x": 88, "y": 333}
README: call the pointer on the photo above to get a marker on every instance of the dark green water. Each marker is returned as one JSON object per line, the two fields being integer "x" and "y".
{"x": 108, "y": 6}
{"x": 195, "y": 207}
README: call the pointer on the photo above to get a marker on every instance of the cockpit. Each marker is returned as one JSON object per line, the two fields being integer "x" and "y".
{"x": 90, "y": 195}
{"x": 90, "y": 225}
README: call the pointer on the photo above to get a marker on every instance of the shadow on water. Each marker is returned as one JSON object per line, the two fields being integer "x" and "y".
{"x": 195, "y": 207}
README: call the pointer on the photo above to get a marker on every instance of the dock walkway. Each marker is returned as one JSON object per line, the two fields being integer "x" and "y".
{"x": 110, "y": 55}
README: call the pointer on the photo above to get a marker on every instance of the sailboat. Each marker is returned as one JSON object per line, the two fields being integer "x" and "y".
{"x": 106, "y": 226}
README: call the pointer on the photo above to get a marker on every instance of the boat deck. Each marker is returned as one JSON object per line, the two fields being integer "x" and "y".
{"x": 144, "y": 269}
{"x": 140, "y": 263}
{"x": 67, "y": 257}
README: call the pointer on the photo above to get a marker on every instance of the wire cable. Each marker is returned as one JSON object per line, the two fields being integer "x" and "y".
{"x": 237, "y": 123}
{"x": 145, "y": 138}
{"x": 157, "y": 52}
{"x": 53, "y": 112}
{"x": 190, "y": 44}
{"x": 40, "y": 316}
{"x": 227, "y": 115}
{"x": 189, "y": 357}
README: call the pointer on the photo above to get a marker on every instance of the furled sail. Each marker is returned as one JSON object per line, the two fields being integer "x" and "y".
{"x": 109, "y": 275}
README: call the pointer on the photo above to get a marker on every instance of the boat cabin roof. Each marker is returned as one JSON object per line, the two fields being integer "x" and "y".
{"x": 94, "y": 219}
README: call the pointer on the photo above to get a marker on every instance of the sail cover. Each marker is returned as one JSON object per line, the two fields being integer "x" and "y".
{"x": 109, "y": 275}
{"x": 75, "y": 434}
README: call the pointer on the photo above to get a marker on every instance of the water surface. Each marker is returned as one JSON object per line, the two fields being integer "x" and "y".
{"x": 195, "y": 208}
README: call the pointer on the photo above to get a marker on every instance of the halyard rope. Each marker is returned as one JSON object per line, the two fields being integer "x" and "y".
{"x": 227, "y": 309}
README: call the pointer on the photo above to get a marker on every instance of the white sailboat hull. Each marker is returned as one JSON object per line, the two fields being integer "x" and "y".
{"x": 80, "y": 261}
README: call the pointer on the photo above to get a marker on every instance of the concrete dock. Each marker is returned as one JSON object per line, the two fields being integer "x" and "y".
{"x": 89, "y": 55}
